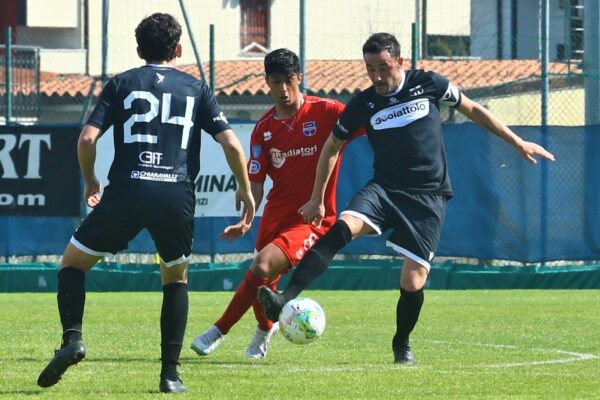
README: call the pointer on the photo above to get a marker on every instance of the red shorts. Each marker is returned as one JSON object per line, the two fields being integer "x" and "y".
{"x": 293, "y": 241}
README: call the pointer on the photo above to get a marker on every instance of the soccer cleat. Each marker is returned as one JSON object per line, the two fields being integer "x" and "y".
{"x": 260, "y": 342}
{"x": 272, "y": 302}
{"x": 67, "y": 355}
{"x": 404, "y": 356}
{"x": 168, "y": 386}
{"x": 207, "y": 342}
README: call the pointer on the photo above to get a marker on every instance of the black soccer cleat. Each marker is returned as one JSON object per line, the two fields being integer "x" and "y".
{"x": 403, "y": 355}
{"x": 272, "y": 302}
{"x": 69, "y": 354}
{"x": 169, "y": 386}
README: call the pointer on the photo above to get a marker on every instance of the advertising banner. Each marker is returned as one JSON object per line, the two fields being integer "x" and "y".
{"x": 39, "y": 172}
{"x": 215, "y": 185}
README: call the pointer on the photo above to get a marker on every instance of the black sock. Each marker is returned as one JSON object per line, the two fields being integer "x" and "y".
{"x": 173, "y": 319}
{"x": 71, "y": 301}
{"x": 407, "y": 314}
{"x": 317, "y": 259}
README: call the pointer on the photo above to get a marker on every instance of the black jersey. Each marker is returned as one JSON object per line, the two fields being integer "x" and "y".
{"x": 158, "y": 113}
{"x": 404, "y": 130}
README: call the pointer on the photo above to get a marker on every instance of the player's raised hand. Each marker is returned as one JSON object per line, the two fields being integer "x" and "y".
{"x": 245, "y": 196}
{"x": 529, "y": 151}
{"x": 91, "y": 192}
{"x": 312, "y": 212}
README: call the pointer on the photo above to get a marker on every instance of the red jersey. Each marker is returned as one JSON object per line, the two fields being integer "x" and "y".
{"x": 288, "y": 151}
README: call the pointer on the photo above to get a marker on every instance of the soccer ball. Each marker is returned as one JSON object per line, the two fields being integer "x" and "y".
{"x": 302, "y": 321}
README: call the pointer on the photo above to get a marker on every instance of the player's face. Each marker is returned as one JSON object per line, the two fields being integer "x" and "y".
{"x": 285, "y": 89}
{"x": 385, "y": 71}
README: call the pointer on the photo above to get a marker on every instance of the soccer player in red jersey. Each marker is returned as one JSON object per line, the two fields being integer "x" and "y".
{"x": 285, "y": 145}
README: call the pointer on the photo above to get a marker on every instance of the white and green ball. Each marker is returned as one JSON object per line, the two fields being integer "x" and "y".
{"x": 302, "y": 321}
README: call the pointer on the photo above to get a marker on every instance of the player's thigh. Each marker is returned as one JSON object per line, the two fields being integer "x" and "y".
{"x": 357, "y": 226}
{"x": 270, "y": 262}
{"x": 418, "y": 224}
{"x": 293, "y": 242}
{"x": 171, "y": 226}
{"x": 366, "y": 212}
{"x": 105, "y": 231}
{"x": 75, "y": 258}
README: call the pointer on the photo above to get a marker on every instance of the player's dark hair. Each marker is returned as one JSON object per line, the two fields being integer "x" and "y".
{"x": 282, "y": 62}
{"x": 378, "y": 42}
{"x": 157, "y": 37}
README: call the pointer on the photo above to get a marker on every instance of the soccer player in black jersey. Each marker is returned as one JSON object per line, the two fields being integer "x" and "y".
{"x": 410, "y": 186}
{"x": 157, "y": 113}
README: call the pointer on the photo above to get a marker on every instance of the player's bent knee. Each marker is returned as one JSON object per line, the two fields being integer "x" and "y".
{"x": 174, "y": 274}
{"x": 413, "y": 276}
{"x": 260, "y": 268}
{"x": 266, "y": 268}
{"x": 269, "y": 262}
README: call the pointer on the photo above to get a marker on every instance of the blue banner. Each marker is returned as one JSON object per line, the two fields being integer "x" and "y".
{"x": 503, "y": 207}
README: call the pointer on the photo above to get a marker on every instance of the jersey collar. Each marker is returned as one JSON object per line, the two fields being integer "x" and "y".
{"x": 399, "y": 88}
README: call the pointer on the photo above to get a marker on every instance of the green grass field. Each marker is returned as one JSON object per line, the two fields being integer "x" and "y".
{"x": 468, "y": 345}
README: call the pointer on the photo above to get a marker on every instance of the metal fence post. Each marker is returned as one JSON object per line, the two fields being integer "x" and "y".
{"x": 591, "y": 62}
{"x": 211, "y": 61}
{"x": 105, "y": 7}
{"x": 192, "y": 39}
{"x": 302, "y": 46}
{"x": 8, "y": 74}
{"x": 415, "y": 46}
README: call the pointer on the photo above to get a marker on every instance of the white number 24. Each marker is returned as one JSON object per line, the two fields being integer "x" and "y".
{"x": 185, "y": 121}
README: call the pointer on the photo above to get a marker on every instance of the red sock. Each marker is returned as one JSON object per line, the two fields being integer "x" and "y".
{"x": 259, "y": 312}
{"x": 242, "y": 300}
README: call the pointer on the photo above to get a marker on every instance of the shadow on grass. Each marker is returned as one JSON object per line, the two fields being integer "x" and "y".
{"x": 25, "y": 392}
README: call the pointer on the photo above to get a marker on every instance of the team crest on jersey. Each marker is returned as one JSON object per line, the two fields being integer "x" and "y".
{"x": 400, "y": 115}
{"x": 159, "y": 78}
{"x": 309, "y": 128}
{"x": 256, "y": 150}
{"x": 393, "y": 100}
{"x": 371, "y": 105}
{"x": 254, "y": 167}
{"x": 416, "y": 91}
{"x": 267, "y": 136}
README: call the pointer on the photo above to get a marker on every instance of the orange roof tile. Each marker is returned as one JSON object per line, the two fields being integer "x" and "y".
{"x": 327, "y": 76}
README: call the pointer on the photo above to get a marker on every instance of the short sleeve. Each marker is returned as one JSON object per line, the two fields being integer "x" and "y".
{"x": 257, "y": 163}
{"x": 103, "y": 115}
{"x": 348, "y": 122}
{"x": 447, "y": 93}
{"x": 212, "y": 119}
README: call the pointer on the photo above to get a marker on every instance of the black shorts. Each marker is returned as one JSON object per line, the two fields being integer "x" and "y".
{"x": 166, "y": 210}
{"x": 416, "y": 219}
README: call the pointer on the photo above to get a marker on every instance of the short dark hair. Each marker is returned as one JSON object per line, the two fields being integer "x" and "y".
{"x": 282, "y": 62}
{"x": 157, "y": 37}
{"x": 378, "y": 42}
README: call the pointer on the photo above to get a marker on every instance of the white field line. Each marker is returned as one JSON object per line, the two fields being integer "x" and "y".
{"x": 572, "y": 356}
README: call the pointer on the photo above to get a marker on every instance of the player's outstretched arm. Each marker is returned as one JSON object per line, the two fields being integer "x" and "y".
{"x": 237, "y": 162}
{"x": 232, "y": 232}
{"x": 86, "y": 153}
{"x": 313, "y": 211}
{"x": 484, "y": 118}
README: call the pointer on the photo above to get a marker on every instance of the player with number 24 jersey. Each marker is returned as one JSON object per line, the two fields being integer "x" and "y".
{"x": 155, "y": 113}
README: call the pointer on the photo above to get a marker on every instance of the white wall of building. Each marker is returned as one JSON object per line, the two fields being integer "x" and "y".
{"x": 335, "y": 29}
{"x": 484, "y": 39}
